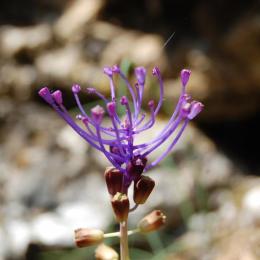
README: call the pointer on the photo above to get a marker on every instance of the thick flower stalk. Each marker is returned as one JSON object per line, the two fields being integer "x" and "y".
{"x": 117, "y": 142}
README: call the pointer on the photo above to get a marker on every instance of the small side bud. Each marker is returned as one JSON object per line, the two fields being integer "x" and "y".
{"x": 87, "y": 237}
{"x": 114, "y": 180}
{"x": 120, "y": 204}
{"x": 104, "y": 252}
{"x": 57, "y": 96}
{"x": 142, "y": 189}
{"x": 185, "y": 75}
{"x": 152, "y": 221}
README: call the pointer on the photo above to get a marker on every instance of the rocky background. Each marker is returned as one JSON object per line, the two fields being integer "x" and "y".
{"x": 209, "y": 188}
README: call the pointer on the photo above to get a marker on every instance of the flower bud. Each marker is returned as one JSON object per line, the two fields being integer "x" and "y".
{"x": 152, "y": 221}
{"x": 120, "y": 204}
{"x": 185, "y": 76}
{"x": 46, "y": 95}
{"x": 142, "y": 189}
{"x": 136, "y": 166}
{"x": 114, "y": 180}
{"x": 104, "y": 252}
{"x": 97, "y": 113}
{"x": 57, "y": 96}
{"x": 87, "y": 237}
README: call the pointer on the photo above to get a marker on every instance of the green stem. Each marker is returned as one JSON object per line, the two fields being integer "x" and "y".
{"x": 124, "y": 252}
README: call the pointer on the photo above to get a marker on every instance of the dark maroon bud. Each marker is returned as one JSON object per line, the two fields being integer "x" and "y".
{"x": 120, "y": 205}
{"x": 142, "y": 189}
{"x": 114, "y": 180}
{"x": 136, "y": 167}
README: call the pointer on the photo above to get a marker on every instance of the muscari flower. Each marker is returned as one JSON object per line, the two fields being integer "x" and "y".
{"x": 117, "y": 142}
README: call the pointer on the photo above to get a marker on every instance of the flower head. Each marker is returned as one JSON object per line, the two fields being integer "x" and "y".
{"x": 117, "y": 142}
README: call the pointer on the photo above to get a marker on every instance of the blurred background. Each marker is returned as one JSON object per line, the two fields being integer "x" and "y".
{"x": 51, "y": 181}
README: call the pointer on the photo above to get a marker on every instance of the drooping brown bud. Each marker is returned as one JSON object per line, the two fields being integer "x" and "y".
{"x": 152, "y": 221}
{"x": 104, "y": 252}
{"x": 87, "y": 237}
{"x": 142, "y": 189}
{"x": 120, "y": 204}
{"x": 114, "y": 180}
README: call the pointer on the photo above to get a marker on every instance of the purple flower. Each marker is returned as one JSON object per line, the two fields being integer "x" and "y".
{"x": 117, "y": 142}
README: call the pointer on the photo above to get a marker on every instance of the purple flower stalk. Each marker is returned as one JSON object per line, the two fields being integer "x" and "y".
{"x": 117, "y": 142}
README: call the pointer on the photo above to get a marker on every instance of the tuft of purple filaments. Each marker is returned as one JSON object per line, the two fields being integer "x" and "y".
{"x": 117, "y": 142}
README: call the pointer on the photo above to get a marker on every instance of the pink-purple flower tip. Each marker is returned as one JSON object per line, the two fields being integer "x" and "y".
{"x": 151, "y": 103}
{"x": 123, "y": 100}
{"x": 185, "y": 109}
{"x": 185, "y": 75}
{"x": 91, "y": 90}
{"x": 97, "y": 113}
{"x": 156, "y": 71}
{"x": 46, "y": 95}
{"x": 111, "y": 108}
{"x": 116, "y": 69}
{"x": 57, "y": 96}
{"x": 76, "y": 88}
{"x": 196, "y": 108}
{"x": 108, "y": 71}
{"x": 140, "y": 73}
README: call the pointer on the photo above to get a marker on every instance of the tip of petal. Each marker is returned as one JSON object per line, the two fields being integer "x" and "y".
{"x": 108, "y": 71}
{"x": 123, "y": 100}
{"x": 151, "y": 103}
{"x": 140, "y": 73}
{"x": 97, "y": 113}
{"x": 57, "y": 96}
{"x": 111, "y": 108}
{"x": 196, "y": 108}
{"x": 116, "y": 69}
{"x": 46, "y": 95}
{"x": 156, "y": 71}
{"x": 185, "y": 75}
{"x": 76, "y": 88}
{"x": 91, "y": 90}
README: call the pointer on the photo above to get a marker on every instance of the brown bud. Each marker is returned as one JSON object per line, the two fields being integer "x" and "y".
{"x": 114, "y": 180}
{"x": 120, "y": 204}
{"x": 104, "y": 252}
{"x": 142, "y": 189}
{"x": 86, "y": 237}
{"x": 152, "y": 221}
